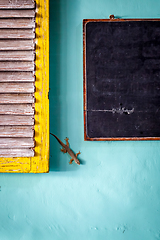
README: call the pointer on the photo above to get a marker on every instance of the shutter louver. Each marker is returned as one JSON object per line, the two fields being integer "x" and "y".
{"x": 17, "y": 80}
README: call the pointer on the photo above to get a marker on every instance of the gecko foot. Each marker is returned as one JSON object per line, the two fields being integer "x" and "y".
{"x": 67, "y": 143}
{"x": 78, "y": 153}
{"x": 70, "y": 162}
{"x": 63, "y": 150}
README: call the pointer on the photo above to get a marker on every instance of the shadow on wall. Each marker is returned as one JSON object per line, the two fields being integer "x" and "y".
{"x": 54, "y": 59}
{"x": 58, "y": 74}
{"x": 58, "y": 55}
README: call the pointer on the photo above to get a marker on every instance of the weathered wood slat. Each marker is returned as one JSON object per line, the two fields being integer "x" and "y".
{"x": 16, "y": 120}
{"x": 17, "y": 44}
{"x": 16, "y": 98}
{"x": 17, "y": 87}
{"x": 17, "y": 13}
{"x": 17, "y": 33}
{"x": 16, "y": 131}
{"x": 22, "y": 152}
{"x": 17, "y": 109}
{"x": 17, "y": 4}
{"x": 17, "y": 55}
{"x": 16, "y": 142}
{"x": 17, "y": 77}
{"x": 17, "y": 23}
{"x": 17, "y": 66}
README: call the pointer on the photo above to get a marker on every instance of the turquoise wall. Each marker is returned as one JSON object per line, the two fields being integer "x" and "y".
{"x": 115, "y": 193}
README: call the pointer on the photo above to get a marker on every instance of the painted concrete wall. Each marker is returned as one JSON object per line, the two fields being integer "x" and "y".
{"x": 115, "y": 193}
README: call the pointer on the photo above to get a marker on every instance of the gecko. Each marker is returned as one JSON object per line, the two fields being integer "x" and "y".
{"x": 65, "y": 148}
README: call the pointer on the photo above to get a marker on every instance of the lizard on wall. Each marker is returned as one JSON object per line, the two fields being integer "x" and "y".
{"x": 65, "y": 148}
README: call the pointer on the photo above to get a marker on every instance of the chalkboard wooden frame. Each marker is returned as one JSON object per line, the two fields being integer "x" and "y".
{"x": 104, "y": 138}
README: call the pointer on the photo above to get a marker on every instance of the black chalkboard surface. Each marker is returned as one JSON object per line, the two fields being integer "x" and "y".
{"x": 121, "y": 79}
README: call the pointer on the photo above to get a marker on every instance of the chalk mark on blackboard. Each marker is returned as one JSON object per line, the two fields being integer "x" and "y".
{"x": 116, "y": 110}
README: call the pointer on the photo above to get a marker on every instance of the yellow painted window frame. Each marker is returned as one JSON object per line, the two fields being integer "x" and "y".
{"x": 40, "y": 162}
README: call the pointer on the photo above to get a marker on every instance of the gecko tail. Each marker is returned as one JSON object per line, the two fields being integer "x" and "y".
{"x": 57, "y": 138}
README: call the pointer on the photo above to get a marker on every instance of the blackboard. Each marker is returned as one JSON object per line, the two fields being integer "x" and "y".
{"x": 121, "y": 79}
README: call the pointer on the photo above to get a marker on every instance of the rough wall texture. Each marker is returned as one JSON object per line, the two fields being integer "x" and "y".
{"x": 115, "y": 193}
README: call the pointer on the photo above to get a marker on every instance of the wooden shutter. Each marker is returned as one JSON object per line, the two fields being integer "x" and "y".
{"x": 23, "y": 93}
{"x": 17, "y": 55}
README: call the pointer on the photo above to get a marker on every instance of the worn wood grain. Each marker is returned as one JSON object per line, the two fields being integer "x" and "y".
{"x": 14, "y": 57}
{"x": 16, "y": 120}
{"x": 17, "y": 4}
{"x": 17, "y": 77}
{"x": 17, "y": 33}
{"x": 12, "y": 13}
{"x": 17, "y": 66}
{"x": 17, "y": 109}
{"x": 17, "y": 23}
{"x": 16, "y": 142}
{"x": 22, "y": 152}
{"x": 17, "y": 87}
{"x": 17, "y": 44}
{"x": 16, "y": 131}
{"x": 16, "y": 98}
{"x": 17, "y": 55}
